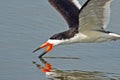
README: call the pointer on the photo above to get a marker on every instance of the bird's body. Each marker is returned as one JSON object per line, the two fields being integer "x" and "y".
{"x": 87, "y": 24}
{"x": 87, "y": 37}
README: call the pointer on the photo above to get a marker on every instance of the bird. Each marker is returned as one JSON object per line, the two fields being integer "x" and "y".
{"x": 87, "y": 23}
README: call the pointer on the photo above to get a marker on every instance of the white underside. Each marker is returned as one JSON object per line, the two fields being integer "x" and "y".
{"x": 92, "y": 37}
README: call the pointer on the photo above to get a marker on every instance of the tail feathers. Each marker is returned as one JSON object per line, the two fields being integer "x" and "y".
{"x": 115, "y": 36}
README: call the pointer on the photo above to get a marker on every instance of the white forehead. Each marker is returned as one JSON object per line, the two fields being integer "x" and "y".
{"x": 54, "y": 42}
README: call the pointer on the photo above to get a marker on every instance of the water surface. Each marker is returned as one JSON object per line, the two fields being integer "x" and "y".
{"x": 26, "y": 24}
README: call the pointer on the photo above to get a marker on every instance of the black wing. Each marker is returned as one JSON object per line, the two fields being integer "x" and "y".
{"x": 69, "y": 9}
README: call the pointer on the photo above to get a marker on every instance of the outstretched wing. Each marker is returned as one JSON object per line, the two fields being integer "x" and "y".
{"x": 69, "y": 9}
{"x": 94, "y": 15}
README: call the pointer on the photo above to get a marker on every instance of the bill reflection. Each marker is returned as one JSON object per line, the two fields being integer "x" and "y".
{"x": 56, "y": 74}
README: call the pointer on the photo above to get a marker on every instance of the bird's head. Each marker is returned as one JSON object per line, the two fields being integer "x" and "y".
{"x": 56, "y": 39}
{"x": 48, "y": 45}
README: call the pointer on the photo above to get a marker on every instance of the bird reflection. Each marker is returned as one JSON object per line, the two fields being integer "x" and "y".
{"x": 56, "y": 74}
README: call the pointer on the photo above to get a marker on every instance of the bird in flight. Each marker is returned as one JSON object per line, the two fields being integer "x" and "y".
{"x": 86, "y": 23}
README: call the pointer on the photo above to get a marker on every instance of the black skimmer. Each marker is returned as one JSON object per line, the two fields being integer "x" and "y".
{"x": 87, "y": 24}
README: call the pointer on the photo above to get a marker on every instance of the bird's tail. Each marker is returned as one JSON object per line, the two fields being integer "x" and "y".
{"x": 114, "y": 36}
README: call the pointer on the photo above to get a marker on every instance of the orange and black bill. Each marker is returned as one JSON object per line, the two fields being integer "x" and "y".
{"x": 46, "y": 44}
